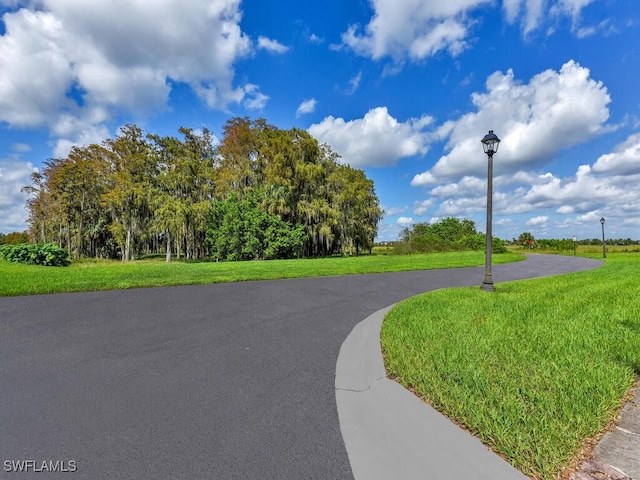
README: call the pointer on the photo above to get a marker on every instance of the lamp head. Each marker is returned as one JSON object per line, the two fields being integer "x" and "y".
{"x": 490, "y": 143}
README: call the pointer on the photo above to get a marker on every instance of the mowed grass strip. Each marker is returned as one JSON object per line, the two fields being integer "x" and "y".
{"x": 17, "y": 279}
{"x": 535, "y": 369}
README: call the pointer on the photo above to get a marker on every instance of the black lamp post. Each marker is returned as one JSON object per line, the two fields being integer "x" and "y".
{"x": 604, "y": 248}
{"x": 490, "y": 145}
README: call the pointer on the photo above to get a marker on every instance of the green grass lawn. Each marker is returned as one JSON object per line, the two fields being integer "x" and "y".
{"x": 18, "y": 279}
{"x": 534, "y": 370}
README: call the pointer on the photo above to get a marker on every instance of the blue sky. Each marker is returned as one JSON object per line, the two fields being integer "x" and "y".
{"x": 404, "y": 89}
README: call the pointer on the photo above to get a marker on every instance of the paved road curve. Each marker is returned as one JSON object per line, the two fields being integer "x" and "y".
{"x": 217, "y": 381}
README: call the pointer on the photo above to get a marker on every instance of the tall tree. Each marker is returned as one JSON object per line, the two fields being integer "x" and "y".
{"x": 185, "y": 185}
{"x": 241, "y": 165}
{"x": 359, "y": 209}
{"x": 64, "y": 201}
{"x": 129, "y": 196}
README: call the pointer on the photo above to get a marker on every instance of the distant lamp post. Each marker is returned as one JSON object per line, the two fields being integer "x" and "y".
{"x": 490, "y": 145}
{"x": 604, "y": 248}
{"x": 574, "y": 245}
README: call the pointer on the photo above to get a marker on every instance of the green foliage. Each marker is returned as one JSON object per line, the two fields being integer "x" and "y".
{"x": 41, "y": 254}
{"x": 498, "y": 245}
{"x": 139, "y": 194}
{"x": 447, "y": 235}
{"x": 526, "y": 240}
{"x": 240, "y": 230}
{"x": 14, "y": 238}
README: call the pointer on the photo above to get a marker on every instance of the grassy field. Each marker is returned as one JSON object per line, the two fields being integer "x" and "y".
{"x": 585, "y": 250}
{"x": 535, "y": 370}
{"x": 17, "y": 279}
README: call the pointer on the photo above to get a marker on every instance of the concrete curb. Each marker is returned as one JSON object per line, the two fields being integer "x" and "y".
{"x": 620, "y": 448}
{"x": 390, "y": 433}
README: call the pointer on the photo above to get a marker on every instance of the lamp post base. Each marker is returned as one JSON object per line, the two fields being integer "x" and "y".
{"x": 487, "y": 285}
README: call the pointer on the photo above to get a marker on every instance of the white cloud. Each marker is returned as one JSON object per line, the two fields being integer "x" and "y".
{"x": 512, "y": 9}
{"x": 254, "y": 99}
{"x": 375, "y": 140}
{"x": 418, "y": 29}
{"x": 79, "y": 63}
{"x": 354, "y": 83}
{"x": 590, "y": 217}
{"x": 88, "y": 134}
{"x": 576, "y": 202}
{"x": 532, "y": 12}
{"x": 394, "y": 211}
{"x": 463, "y": 206}
{"x": 422, "y": 207}
{"x": 566, "y": 209}
{"x": 465, "y": 187}
{"x": 14, "y": 174}
{"x": 537, "y": 221}
{"x": 584, "y": 188}
{"x": 405, "y": 221}
{"x": 34, "y": 73}
{"x": 554, "y": 111}
{"x": 572, "y": 8}
{"x": 307, "y": 106}
{"x": 624, "y": 160}
{"x": 272, "y": 46}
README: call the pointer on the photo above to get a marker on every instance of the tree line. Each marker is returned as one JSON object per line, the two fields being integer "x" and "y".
{"x": 449, "y": 234}
{"x": 261, "y": 192}
{"x": 527, "y": 240}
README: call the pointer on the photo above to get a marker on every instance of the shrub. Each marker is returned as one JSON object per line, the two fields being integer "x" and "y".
{"x": 45, "y": 254}
{"x": 239, "y": 230}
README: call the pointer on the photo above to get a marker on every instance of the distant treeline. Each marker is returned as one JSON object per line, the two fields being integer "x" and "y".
{"x": 527, "y": 240}
{"x": 449, "y": 234}
{"x": 14, "y": 238}
{"x": 261, "y": 192}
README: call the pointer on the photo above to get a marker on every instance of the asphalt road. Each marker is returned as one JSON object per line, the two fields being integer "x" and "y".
{"x": 199, "y": 382}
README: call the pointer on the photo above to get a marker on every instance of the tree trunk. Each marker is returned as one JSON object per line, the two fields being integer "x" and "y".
{"x": 127, "y": 246}
{"x": 168, "y": 255}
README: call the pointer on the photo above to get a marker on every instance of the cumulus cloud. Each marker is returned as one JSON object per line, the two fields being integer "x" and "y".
{"x": 583, "y": 189}
{"x": 307, "y": 106}
{"x": 624, "y": 160}
{"x": 537, "y": 221}
{"x": 272, "y": 46}
{"x": 418, "y": 29}
{"x": 578, "y": 201}
{"x": 466, "y": 186}
{"x": 405, "y": 221}
{"x": 555, "y": 110}
{"x": 77, "y": 63}
{"x": 375, "y": 140}
{"x": 14, "y": 174}
{"x": 87, "y": 134}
